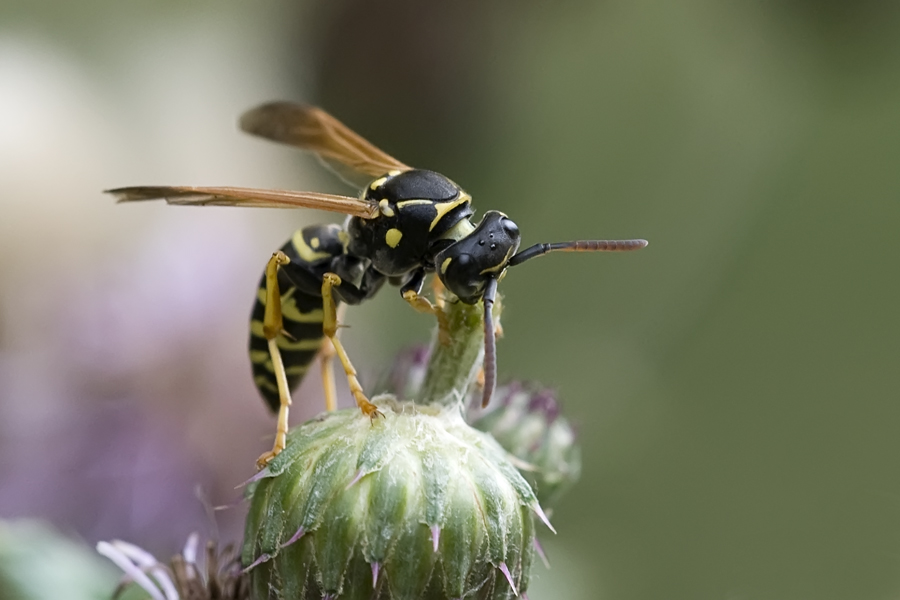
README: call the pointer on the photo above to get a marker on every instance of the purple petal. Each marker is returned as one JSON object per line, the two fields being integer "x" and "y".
{"x": 131, "y": 570}
{"x": 376, "y": 568}
{"x": 545, "y": 402}
{"x": 190, "y": 548}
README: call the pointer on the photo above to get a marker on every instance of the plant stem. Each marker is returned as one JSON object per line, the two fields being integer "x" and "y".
{"x": 453, "y": 366}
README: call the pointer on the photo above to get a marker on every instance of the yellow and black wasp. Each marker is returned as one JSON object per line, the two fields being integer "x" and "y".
{"x": 405, "y": 224}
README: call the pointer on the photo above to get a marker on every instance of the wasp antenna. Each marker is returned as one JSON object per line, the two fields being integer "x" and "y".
{"x": 577, "y": 246}
{"x": 490, "y": 343}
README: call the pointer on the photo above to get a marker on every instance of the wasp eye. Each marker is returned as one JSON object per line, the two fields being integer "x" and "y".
{"x": 511, "y": 228}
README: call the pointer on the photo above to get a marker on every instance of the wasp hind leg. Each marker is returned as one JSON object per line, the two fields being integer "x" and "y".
{"x": 411, "y": 292}
{"x": 272, "y": 327}
{"x": 330, "y": 327}
{"x": 326, "y": 356}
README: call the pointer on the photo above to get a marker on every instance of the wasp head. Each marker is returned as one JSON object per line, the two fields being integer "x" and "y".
{"x": 466, "y": 266}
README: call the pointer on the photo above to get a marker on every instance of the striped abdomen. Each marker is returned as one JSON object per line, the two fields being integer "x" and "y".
{"x": 310, "y": 249}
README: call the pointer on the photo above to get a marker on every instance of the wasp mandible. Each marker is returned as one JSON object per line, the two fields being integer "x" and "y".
{"x": 405, "y": 224}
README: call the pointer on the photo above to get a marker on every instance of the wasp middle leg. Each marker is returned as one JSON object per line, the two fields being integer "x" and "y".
{"x": 330, "y": 327}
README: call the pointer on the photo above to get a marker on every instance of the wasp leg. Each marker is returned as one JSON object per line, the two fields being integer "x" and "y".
{"x": 479, "y": 377}
{"x": 330, "y": 327}
{"x": 326, "y": 356}
{"x": 272, "y": 327}
{"x": 437, "y": 290}
{"x": 411, "y": 293}
{"x": 498, "y": 326}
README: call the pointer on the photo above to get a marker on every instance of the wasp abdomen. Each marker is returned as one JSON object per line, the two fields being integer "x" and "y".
{"x": 310, "y": 250}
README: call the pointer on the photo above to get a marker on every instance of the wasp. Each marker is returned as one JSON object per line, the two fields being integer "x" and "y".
{"x": 405, "y": 224}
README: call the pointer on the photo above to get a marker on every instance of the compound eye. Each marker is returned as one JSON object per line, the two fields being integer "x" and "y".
{"x": 460, "y": 277}
{"x": 510, "y": 227}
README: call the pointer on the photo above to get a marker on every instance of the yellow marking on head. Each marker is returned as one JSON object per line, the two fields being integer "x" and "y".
{"x": 377, "y": 183}
{"x": 259, "y": 356}
{"x": 394, "y": 173}
{"x": 263, "y": 382}
{"x": 392, "y": 237}
{"x": 500, "y": 266}
{"x": 303, "y": 249}
{"x": 314, "y": 243}
{"x": 444, "y": 207}
{"x": 344, "y": 238}
{"x": 308, "y": 344}
{"x": 385, "y": 207}
{"x": 445, "y": 264}
{"x": 405, "y": 203}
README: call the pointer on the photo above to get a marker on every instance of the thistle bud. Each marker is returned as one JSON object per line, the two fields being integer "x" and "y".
{"x": 415, "y": 505}
{"x": 525, "y": 419}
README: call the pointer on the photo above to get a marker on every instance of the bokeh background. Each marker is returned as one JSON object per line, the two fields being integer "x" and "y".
{"x": 735, "y": 384}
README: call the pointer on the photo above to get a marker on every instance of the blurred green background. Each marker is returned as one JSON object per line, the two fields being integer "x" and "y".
{"x": 735, "y": 384}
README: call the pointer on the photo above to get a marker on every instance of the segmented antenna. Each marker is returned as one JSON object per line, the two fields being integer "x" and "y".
{"x": 578, "y": 246}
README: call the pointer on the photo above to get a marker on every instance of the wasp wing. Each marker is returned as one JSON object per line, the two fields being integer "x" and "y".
{"x": 311, "y": 128}
{"x": 235, "y": 196}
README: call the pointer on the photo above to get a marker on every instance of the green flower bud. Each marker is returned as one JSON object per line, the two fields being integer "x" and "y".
{"x": 415, "y": 505}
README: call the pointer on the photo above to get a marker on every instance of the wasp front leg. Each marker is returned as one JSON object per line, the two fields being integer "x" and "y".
{"x": 438, "y": 290}
{"x": 272, "y": 327}
{"x": 330, "y": 328}
{"x": 411, "y": 292}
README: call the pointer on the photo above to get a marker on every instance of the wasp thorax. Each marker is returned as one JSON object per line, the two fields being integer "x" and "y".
{"x": 415, "y": 210}
{"x": 466, "y": 266}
